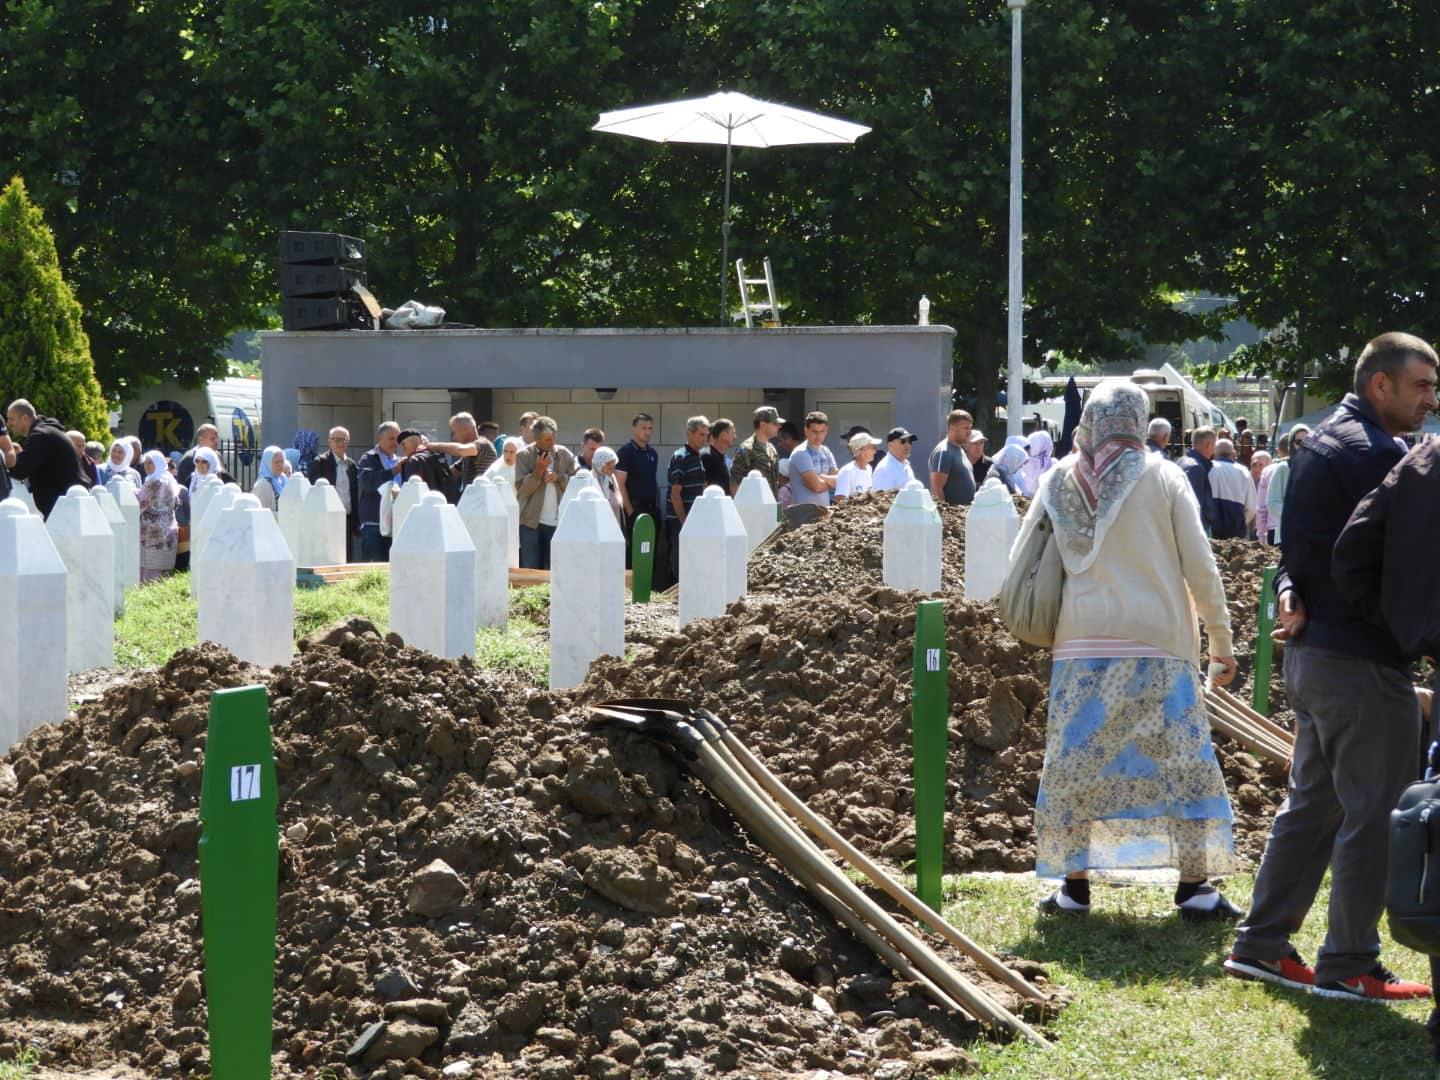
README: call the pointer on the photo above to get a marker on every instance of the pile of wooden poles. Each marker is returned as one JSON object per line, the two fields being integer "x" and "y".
{"x": 1234, "y": 719}
{"x": 779, "y": 821}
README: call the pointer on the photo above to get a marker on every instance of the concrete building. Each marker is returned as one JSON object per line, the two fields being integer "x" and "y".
{"x": 877, "y": 376}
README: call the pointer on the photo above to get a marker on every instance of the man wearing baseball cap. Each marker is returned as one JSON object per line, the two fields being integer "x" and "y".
{"x": 757, "y": 453}
{"x": 856, "y": 477}
{"x": 979, "y": 463}
{"x": 895, "y": 472}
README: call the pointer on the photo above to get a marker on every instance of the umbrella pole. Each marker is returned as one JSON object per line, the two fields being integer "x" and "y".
{"x": 725, "y": 231}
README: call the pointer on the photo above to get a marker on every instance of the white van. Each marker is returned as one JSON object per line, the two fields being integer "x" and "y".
{"x": 165, "y": 417}
{"x": 1171, "y": 394}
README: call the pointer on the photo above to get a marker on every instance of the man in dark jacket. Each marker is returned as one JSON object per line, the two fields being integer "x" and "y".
{"x": 1357, "y": 722}
{"x": 336, "y": 467}
{"x": 48, "y": 460}
{"x": 1197, "y": 463}
{"x": 378, "y": 465}
{"x": 1384, "y": 566}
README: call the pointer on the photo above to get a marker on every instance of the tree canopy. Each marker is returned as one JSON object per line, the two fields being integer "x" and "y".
{"x": 1280, "y": 153}
{"x": 44, "y": 355}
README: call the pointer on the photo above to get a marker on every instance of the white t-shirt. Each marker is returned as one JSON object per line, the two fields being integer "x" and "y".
{"x": 550, "y": 508}
{"x": 892, "y": 474}
{"x": 853, "y": 480}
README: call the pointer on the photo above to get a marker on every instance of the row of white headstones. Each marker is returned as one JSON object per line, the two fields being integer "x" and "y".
{"x": 62, "y": 581}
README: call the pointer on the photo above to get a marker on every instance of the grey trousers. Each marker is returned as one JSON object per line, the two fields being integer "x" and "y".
{"x": 1357, "y": 732}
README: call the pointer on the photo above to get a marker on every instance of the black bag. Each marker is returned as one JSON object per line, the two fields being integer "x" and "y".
{"x": 1412, "y": 887}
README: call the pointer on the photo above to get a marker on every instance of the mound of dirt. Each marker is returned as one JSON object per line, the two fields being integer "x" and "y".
{"x": 467, "y": 874}
{"x": 843, "y": 550}
{"x": 820, "y": 690}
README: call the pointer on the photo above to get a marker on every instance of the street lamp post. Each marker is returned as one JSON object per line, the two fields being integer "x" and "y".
{"x": 1015, "y": 389}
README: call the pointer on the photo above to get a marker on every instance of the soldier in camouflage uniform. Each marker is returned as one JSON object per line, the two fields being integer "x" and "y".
{"x": 757, "y": 453}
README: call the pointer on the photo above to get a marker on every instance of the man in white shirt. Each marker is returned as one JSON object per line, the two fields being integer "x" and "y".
{"x": 856, "y": 477}
{"x": 895, "y": 472}
{"x": 1233, "y": 492}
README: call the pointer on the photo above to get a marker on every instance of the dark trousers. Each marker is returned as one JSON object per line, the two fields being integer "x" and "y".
{"x": 535, "y": 546}
{"x": 1357, "y": 731}
{"x": 373, "y": 546}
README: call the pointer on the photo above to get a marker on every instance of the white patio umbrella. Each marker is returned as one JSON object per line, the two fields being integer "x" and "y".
{"x": 732, "y": 119}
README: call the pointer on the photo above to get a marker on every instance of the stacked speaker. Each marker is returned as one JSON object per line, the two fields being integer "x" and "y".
{"x": 318, "y": 273}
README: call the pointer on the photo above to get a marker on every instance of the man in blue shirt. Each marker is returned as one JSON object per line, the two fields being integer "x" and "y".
{"x": 637, "y": 480}
{"x": 686, "y": 477}
{"x": 812, "y": 466}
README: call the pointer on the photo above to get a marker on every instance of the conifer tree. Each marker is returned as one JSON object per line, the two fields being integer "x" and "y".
{"x": 44, "y": 352}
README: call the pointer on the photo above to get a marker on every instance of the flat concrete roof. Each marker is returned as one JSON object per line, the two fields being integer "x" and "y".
{"x": 914, "y": 361}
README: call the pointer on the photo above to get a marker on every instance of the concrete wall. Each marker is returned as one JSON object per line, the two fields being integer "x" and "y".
{"x": 883, "y": 375}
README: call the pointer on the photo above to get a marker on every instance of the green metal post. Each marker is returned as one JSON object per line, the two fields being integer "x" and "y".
{"x": 930, "y": 737}
{"x": 1264, "y": 647}
{"x": 239, "y": 882}
{"x": 642, "y": 558}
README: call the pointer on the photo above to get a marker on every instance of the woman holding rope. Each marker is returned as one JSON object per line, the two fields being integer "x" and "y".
{"x": 1131, "y": 781}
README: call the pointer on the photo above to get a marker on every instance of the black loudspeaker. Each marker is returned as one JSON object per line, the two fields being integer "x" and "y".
{"x": 321, "y": 248}
{"x": 325, "y": 313}
{"x": 302, "y": 279}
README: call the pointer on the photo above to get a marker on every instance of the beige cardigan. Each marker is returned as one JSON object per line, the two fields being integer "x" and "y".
{"x": 1154, "y": 569}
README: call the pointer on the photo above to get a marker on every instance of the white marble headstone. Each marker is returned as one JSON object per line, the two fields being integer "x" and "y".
{"x": 323, "y": 526}
{"x": 512, "y": 530}
{"x": 247, "y": 593}
{"x": 713, "y": 551}
{"x": 487, "y": 519}
{"x": 123, "y": 492}
{"x": 432, "y": 580}
{"x": 756, "y": 504}
{"x": 290, "y": 508}
{"x": 406, "y": 500}
{"x": 85, "y": 542}
{"x": 33, "y": 686}
{"x": 203, "y": 531}
{"x": 582, "y": 479}
{"x": 991, "y": 525}
{"x": 21, "y": 493}
{"x": 911, "y": 555}
{"x": 208, "y": 487}
{"x": 116, "y": 521}
{"x": 587, "y": 589}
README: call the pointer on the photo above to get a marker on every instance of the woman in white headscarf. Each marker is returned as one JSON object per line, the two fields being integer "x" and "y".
{"x": 1130, "y": 779}
{"x": 503, "y": 467}
{"x": 159, "y": 531}
{"x": 1041, "y": 450}
{"x": 1009, "y": 461}
{"x": 120, "y": 463}
{"x": 207, "y": 463}
{"x": 602, "y": 468}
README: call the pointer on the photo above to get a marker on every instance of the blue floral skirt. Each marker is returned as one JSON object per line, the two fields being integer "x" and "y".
{"x": 1131, "y": 781}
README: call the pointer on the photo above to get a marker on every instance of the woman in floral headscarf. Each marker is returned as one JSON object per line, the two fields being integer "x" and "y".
{"x": 1130, "y": 780}
{"x": 159, "y": 531}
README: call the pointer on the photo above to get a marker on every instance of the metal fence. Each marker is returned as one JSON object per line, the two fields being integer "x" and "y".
{"x": 242, "y": 461}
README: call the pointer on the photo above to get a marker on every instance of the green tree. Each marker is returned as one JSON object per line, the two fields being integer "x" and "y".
{"x": 44, "y": 354}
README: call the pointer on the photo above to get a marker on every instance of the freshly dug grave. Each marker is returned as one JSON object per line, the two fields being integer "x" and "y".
{"x": 843, "y": 550}
{"x": 459, "y": 858}
{"x": 1242, "y": 566}
{"x": 820, "y": 690}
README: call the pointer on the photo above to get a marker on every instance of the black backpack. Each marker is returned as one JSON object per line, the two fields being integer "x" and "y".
{"x": 1412, "y": 888}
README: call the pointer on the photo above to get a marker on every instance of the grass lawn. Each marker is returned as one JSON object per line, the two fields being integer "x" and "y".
{"x": 160, "y": 620}
{"x": 1150, "y": 999}
{"x": 22, "y": 1068}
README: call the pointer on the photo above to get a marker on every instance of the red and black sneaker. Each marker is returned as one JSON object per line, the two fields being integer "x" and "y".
{"x": 1289, "y": 971}
{"x": 1377, "y": 984}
